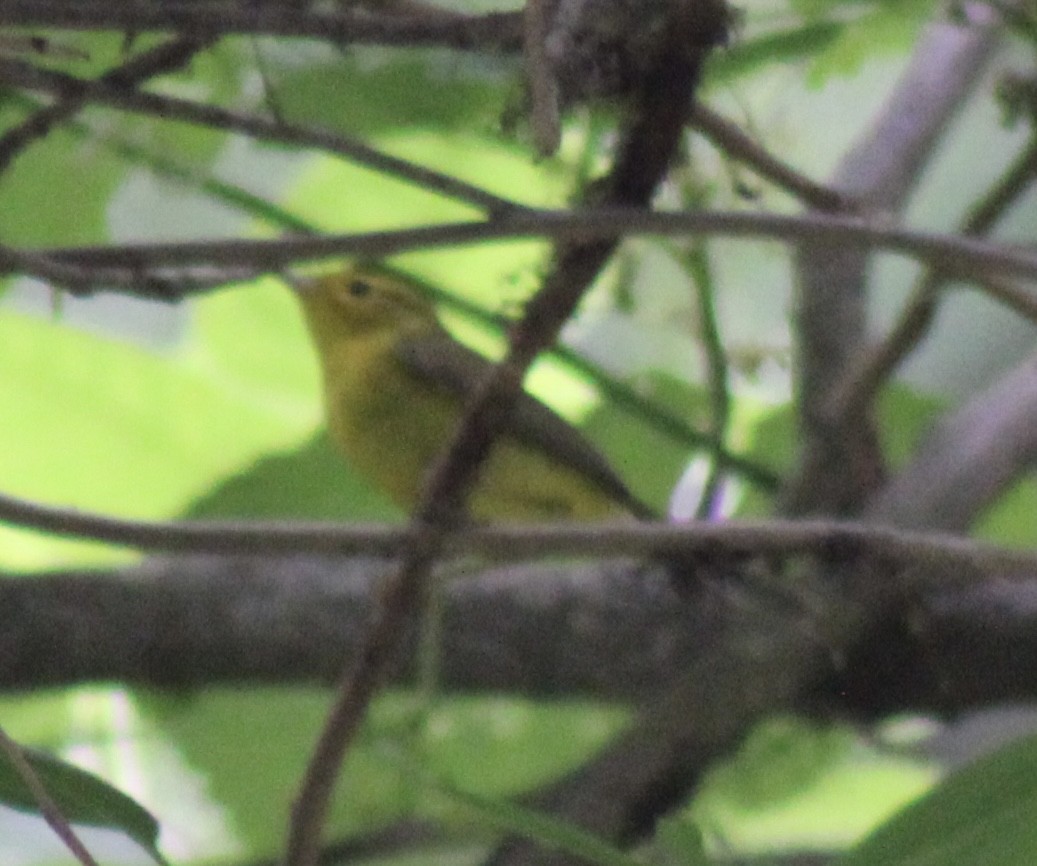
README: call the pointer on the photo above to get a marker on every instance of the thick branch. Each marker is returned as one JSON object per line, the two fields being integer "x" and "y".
{"x": 539, "y": 631}
{"x": 841, "y": 463}
{"x": 205, "y": 620}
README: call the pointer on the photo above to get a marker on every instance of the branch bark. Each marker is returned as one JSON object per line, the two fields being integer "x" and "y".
{"x": 971, "y": 457}
{"x": 501, "y": 30}
{"x": 538, "y": 631}
{"x": 841, "y": 464}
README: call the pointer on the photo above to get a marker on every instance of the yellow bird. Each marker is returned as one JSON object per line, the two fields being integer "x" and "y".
{"x": 395, "y": 384}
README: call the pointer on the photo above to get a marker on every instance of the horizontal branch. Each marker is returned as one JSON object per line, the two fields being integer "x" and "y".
{"x": 828, "y": 539}
{"x": 181, "y": 622}
{"x": 492, "y": 31}
{"x": 965, "y": 256}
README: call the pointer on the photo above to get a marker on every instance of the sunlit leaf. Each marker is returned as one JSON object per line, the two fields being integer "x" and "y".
{"x": 82, "y": 797}
{"x": 980, "y": 816}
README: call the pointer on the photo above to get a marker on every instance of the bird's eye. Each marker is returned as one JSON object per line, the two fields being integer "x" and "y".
{"x": 359, "y": 288}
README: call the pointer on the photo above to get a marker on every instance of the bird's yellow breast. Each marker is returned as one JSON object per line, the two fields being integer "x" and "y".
{"x": 392, "y": 427}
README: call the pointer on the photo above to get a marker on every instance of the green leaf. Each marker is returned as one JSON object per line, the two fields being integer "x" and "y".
{"x": 252, "y": 746}
{"x": 771, "y": 441}
{"x": 251, "y": 339}
{"x": 118, "y": 429}
{"x": 906, "y": 417}
{"x": 311, "y": 482}
{"x": 781, "y": 759}
{"x": 58, "y": 191}
{"x": 748, "y": 56}
{"x": 649, "y": 458}
{"x": 796, "y": 786}
{"x": 82, "y": 797}
{"x": 1010, "y": 520}
{"x": 505, "y": 746}
{"x": 890, "y": 28}
{"x": 550, "y": 832}
{"x": 367, "y": 89}
{"x": 165, "y": 165}
{"x": 981, "y": 815}
{"x": 681, "y": 841}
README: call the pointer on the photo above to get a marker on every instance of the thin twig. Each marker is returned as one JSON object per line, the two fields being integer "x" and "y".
{"x": 717, "y": 380}
{"x": 649, "y": 142}
{"x": 828, "y": 538}
{"x": 968, "y": 258}
{"x": 660, "y": 418}
{"x": 167, "y": 166}
{"x": 866, "y": 374}
{"x": 735, "y": 143}
{"x": 162, "y": 59}
{"x": 619, "y": 393}
{"x": 50, "y": 810}
{"x": 543, "y": 87}
{"x": 83, "y": 280}
{"x": 501, "y": 30}
{"x": 20, "y": 74}
{"x": 1013, "y": 296}
{"x": 398, "y": 602}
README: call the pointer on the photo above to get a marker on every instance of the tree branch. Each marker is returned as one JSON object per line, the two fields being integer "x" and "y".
{"x": 501, "y": 30}
{"x": 650, "y": 138}
{"x": 967, "y": 257}
{"x": 162, "y": 59}
{"x": 16, "y": 73}
{"x": 841, "y": 463}
{"x": 736, "y": 144}
{"x": 830, "y": 539}
{"x": 865, "y": 374}
{"x": 197, "y": 621}
{"x": 971, "y": 457}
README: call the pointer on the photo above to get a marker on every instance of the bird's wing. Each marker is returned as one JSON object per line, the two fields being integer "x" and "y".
{"x": 447, "y": 364}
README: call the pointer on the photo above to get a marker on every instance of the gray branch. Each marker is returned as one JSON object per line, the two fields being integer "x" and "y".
{"x": 841, "y": 464}
{"x": 540, "y": 631}
{"x": 971, "y": 457}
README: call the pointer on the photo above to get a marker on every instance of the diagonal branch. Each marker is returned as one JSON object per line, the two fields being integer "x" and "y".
{"x": 650, "y": 141}
{"x": 164, "y": 58}
{"x": 67, "y": 87}
{"x": 736, "y": 144}
{"x": 970, "y": 459}
{"x": 866, "y": 373}
{"x": 841, "y": 462}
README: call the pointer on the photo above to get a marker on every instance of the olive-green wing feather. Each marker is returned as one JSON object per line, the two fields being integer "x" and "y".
{"x": 447, "y": 364}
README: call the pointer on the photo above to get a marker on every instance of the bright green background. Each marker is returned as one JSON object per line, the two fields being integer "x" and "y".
{"x": 212, "y": 409}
